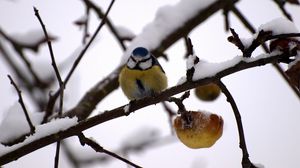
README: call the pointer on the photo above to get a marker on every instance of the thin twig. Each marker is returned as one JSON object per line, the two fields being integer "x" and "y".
{"x": 109, "y": 24}
{"x": 19, "y": 48}
{"x": 36, "y": 12}
{"x": 15, "y": 67}
{"x": 243, "y": 19}
{"x": 179, "y": 101}
{"x": 226, "y": 8}
{"x": 247, "y": 24}
{"x": 70, "y": 155}
{"x": 190, "y": 52}
{"x": 246, "y": 163}
{"x": 76, "y": 62}
{"x": 61, "y": 83}
{"x": 56, "y": 159}
{"x": 86, "y": 25}
{"x": 189, "y": 46}
{"x": 235, "y": 39}
{"x": 170, "y": 113}
{"x": 26, "y": 83}
{"x": 23, "y": 45}
{"x": 281, "y": 4}
{"x": 289, "y": 35}
{"x": 186, "y": 115}
{"x": 32, "y": 128}
{"x": 283, "y": 74}
{"x": 83, "y": 140}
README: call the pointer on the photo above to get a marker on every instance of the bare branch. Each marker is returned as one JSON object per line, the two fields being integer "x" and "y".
{"x": 76, "y": 63}
{"x": 98, "y": 148}
{"x": 227, "y": 7}
{"x": 243, "y": 19}
{"x": 170, "y": 113}
{"x": 22, "y": 45}
{"x": 110, "y": 25}
{"x": 15, "y": 67}
{"x": 281, "y": 4}
{"x": 179, "y": 101}
{"x": 86, "y": 26}
{"x": 19, "y": 48}
{"x": 247, "y": 24}
{"x": 246, "y": 163}
{"x": 189, "y": 46}
{"x": 32, "y": 129}
{"x": 252, "y": 30}
{"x": 56, "y": 159}
{"x": 284, "y": 75}
{"x": 61, "y": 83}
{"x": 186, "y": 115}
{"x": 235, "y": 39}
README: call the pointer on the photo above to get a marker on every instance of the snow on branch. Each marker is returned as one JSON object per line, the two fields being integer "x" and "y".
{"x": 55, "y": 132}
{"x": 14, "y": 124}
{"x": 41, "y": 131}
{"x": 168, "y": 19}
{"x": 196, "y": 16}
{"x": 279, "y": 28}
{"x": 32, "y": 39}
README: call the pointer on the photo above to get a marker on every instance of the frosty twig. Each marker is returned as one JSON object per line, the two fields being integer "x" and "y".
{"x": 32, "y": 129}
{"x": 84, "y": 140}
{"x": 77, "y": 61}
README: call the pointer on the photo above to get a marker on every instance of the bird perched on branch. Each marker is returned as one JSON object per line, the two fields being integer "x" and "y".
{"x": 142, "y": 76}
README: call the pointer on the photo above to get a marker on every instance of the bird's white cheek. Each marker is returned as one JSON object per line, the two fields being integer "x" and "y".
{"x": 146, "y": 65}
{"x": 131, "y": 63}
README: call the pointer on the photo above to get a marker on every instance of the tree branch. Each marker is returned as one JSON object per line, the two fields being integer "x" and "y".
{"x": 83, "y": 140}
{"x": 252, "y": 30}
{"x": 19, "y": 49}
{"x": 60, "y": 82}
{"x": 89, "y": 101}
{"x": 15, "y": 67}
{"x": 81, "y": 54}
{"x": 134, "y": 106}
{"x": 170, "y": 113}
{"x": 98, "y": 11}
{"x": 32, "y": 129}
{"x": 246, "y": 163}
{"x": 281, "y": 7}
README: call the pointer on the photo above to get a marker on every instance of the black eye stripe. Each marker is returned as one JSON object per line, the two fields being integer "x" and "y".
{"x": 134, "y": 60}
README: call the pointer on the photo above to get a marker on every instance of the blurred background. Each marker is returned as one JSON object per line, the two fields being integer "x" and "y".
{"x": 269, "y": 108}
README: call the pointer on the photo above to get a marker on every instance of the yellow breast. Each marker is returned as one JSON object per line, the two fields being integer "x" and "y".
{"x": 152, "y": 79}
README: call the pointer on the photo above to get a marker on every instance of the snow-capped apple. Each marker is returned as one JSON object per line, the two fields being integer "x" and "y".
{"x": 208, "y": 92}
{"x": 285, "y": 44}
{"x": 198, "y": 129}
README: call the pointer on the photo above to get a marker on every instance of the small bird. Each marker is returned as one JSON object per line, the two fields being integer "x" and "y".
{"x": 142, "y": 76}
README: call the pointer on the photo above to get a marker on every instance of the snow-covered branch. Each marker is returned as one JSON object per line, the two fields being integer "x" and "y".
{"x": 238, "y": 63}
{"x": 197, "y": 15}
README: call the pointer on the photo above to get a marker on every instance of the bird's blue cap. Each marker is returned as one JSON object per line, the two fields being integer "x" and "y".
{"x": 140, "y": 51}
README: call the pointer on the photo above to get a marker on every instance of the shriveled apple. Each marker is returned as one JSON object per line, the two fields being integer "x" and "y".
{"x": 198, "y": 129}
{"x": 208, "y": 92}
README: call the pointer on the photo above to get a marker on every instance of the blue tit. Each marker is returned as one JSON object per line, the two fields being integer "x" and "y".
{"x": 142, "y": 76}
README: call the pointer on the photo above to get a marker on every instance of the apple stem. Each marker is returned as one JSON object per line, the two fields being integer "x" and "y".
{"x": 186, "y": 115}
